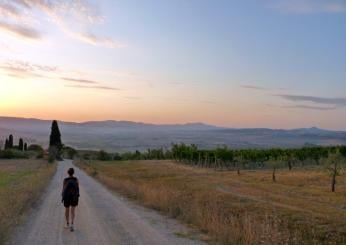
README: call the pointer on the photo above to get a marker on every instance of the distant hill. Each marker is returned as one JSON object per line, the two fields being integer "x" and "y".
{"x": 128, "y": 136}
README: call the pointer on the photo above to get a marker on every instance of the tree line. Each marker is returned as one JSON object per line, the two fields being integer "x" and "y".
{"x": 9, "y": 144}
{"x": 150, "y": 154}
{"x": 22, "y": 150}
{"x": 225, "y": 158}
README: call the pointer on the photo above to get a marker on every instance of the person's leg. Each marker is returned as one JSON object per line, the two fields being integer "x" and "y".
{"x": 72, "y": 214}
{"x": 67, "y": 214}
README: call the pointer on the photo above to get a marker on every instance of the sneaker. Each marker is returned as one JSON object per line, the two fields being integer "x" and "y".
{"x": 66, "y": 226}
{"x": 71, "y": 228}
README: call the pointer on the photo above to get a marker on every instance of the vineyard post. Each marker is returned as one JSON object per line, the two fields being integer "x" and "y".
{"x": 273, "y": 177}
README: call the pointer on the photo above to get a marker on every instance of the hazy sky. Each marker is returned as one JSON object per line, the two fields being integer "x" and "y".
{"x": 244, "y": 63}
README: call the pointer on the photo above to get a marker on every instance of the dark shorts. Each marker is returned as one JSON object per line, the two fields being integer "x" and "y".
{"x": 70, "y": 202}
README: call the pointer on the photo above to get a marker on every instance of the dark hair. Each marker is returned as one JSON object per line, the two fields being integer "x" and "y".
{"x": 70, "y": 171}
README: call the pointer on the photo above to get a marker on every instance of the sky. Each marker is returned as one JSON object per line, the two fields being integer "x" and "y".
{"x": 233, "y": 63}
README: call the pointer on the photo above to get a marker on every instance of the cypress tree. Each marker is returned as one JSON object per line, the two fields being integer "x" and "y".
{"x": 10, "y": 141}
{"x": 55, "y": 136}
{"x": 25, "y": 146}
{"x": 21, "y": 144}
{"x": 55, "y": 144}
{"x": 6, "y": 144}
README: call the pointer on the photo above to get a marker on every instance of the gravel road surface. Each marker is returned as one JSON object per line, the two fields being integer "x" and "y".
{"x": 102, "y": 217}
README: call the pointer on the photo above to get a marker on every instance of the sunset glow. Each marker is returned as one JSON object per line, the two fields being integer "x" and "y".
{"x": 274, "y": 64}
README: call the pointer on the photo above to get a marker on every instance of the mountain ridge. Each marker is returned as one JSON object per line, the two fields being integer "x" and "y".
{"x": 121, "y": 136}
{"x": 111, "y": 122}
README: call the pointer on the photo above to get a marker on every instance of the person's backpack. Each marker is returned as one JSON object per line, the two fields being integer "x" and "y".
{"x": 71, "y": 188}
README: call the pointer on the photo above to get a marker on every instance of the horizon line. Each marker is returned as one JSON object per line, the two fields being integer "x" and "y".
{"x": 165, "y": 124}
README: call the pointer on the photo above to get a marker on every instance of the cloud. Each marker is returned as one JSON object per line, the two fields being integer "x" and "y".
{"x": 319, "y": 103}
{"x": 20, "y": 31}
{"x": 315, "y": 99}
{"x": 86, "y": 84}
{"x": 253, "y": 87}
{"x": 77, "y": 9}
{"x": 93, "y": 87}
{"x": 311, "y": 6}
{"x": 99, "y": 41}
{"x": 259, "y": 88}
{"x": 27, "y": 70}
{"x": 320, "y": 108}
{"x": 71, "y": 16}
{"x": 22, "y": 69}
{"x": 8, "y": 10}
{"x": 79, "y": 80}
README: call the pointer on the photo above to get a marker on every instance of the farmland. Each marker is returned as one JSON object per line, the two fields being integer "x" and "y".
{"x": 21, "y": 183}
{"x": 247, "y": 208}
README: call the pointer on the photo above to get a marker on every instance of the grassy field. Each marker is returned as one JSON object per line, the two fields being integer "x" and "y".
{"x": 236, "y": 209}
{"x": 21, "y": 183}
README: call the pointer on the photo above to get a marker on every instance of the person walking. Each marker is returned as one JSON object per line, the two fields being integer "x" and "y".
{"x": 70, "y": 197}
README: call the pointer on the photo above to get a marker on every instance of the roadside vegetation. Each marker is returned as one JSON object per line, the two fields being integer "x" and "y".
{"x": 243, "y": 196}
{"x": 22, "y": 181}
{"x": 25, "y": 171}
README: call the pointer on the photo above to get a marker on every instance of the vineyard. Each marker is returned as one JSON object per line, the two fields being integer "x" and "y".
{"x": 224, "y": 158}
{"x": 331, "y": 158}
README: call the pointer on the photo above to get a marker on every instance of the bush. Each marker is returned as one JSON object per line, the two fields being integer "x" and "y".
{"x": 86, "y": 156}
{"x": 117, "y": 157}
{"x": 35, "y": 147}
{"x": 103, "y": 156}
{"x": 343, "y": 151}
{"x": 38, "y": 150}
{"x": 12, "y": 154}
{"x": 51, "y": 158}
{"x": 69, "y": 152}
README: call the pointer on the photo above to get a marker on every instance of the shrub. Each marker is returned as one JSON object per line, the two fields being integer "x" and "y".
{"x": 69, "y": 152}
{"x": 103, "y": 156}
{"x": 37, "y": 149}
{"x": 12, "y": 154}
{"x": 343, "y": 151}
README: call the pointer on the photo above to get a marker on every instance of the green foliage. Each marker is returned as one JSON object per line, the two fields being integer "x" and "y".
{"x": 7, "y": 146}
{"x": 51, "y": 158}
{"x": 69, "y": 152}
{"x": 117, "y": 157}
{"x": 55, "y": 144}
{"x": 248, "y": 158}
{"x": 37, "y": 149}
{"x": 225, "y": 158}
{"x": 21, "y": 144}
{"x": 13, "y": 154}
{"x": 342, "y": 151}
{"x": 55, "y": 136}
{"x": 10, "y": 141}
{"x": 21, "y": 150}
{"x": 86, "y": 156}
{"x": 103, "y": 156}
{"x": 150, "y": 154}
{"x": 53, "y": 153}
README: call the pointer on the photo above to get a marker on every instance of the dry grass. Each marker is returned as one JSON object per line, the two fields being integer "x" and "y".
{"x": 232, "y": 209}
{"x": 21, "y": 183}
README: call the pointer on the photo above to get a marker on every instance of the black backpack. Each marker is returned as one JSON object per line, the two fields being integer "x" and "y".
{"x": 71, "y": 188}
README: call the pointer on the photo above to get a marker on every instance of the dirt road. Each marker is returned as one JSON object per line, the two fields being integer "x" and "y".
{"x": 102, "y": 218}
